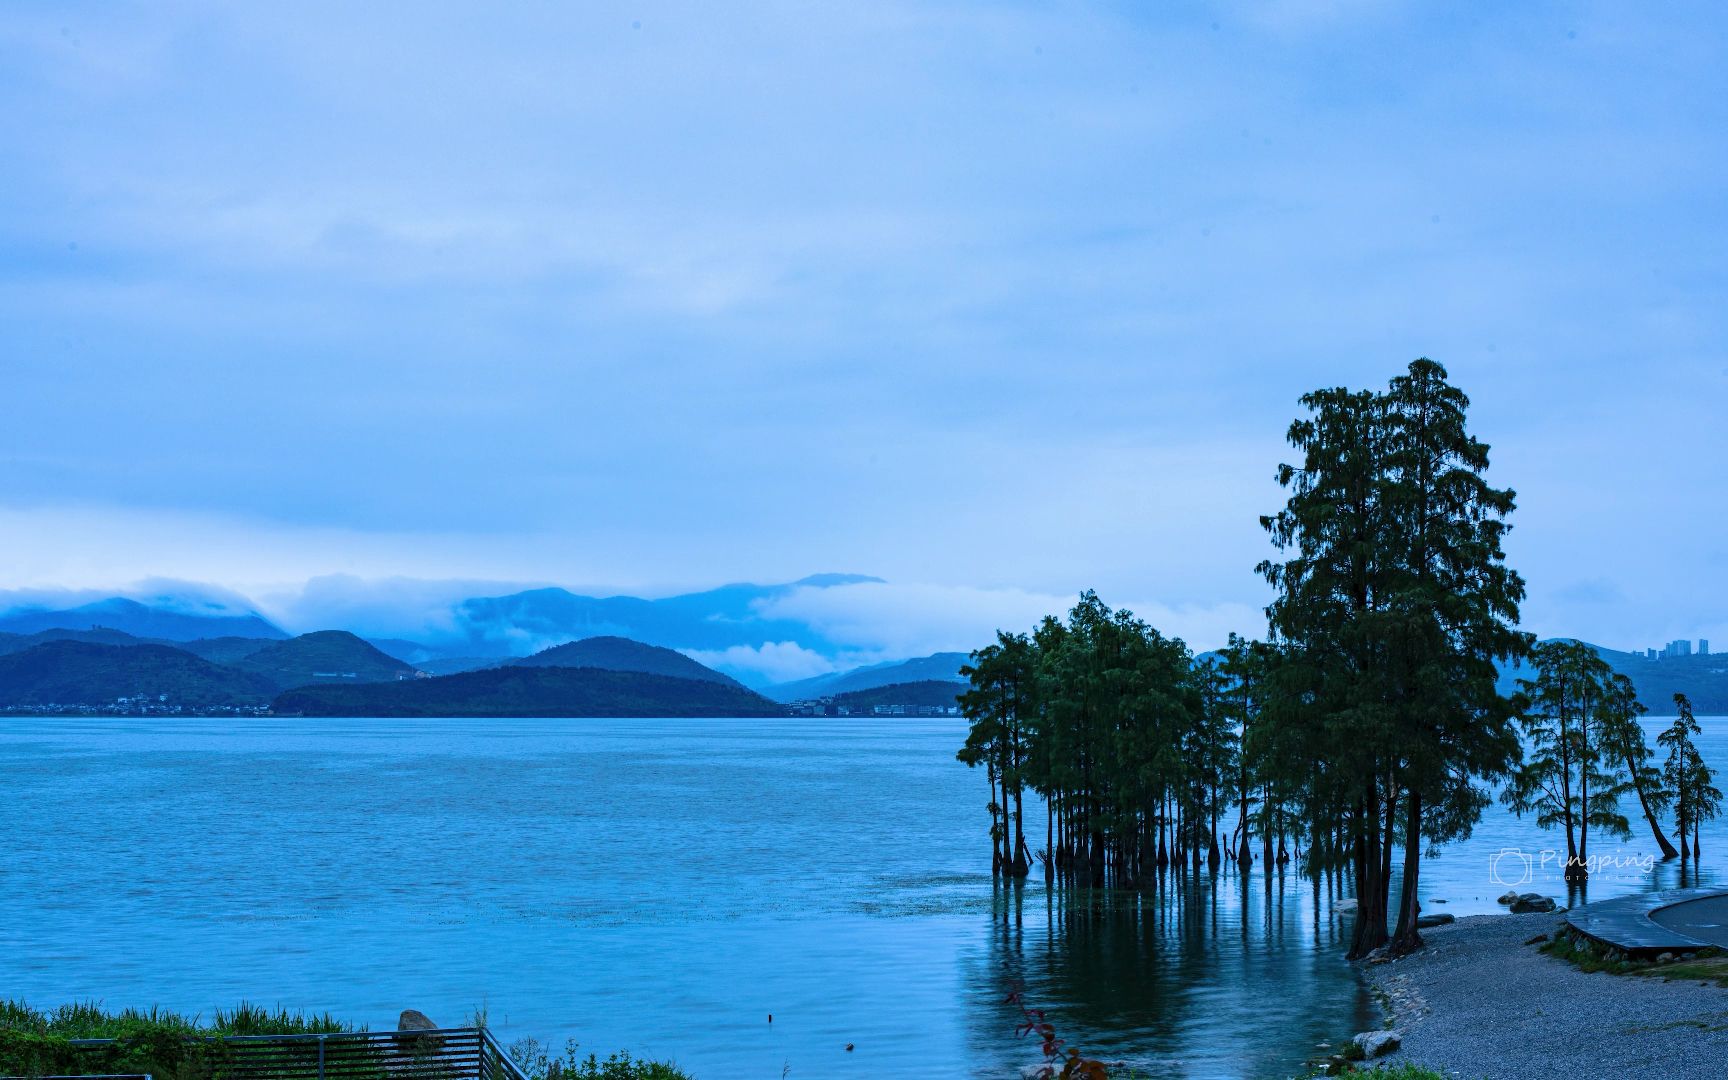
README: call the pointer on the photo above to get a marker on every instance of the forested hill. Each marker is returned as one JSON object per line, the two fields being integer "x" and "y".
{"x": 85, "y": 674}
{"x": 531, "y": 691}
{"x": 622, "y": 654}
{"x": 324, "y": 656}
{"x": 1703, "y": 679}
{"x": 940, "y": 693}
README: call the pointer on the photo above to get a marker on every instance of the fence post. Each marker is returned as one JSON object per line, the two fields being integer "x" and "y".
{"x": 320, "y": 1057}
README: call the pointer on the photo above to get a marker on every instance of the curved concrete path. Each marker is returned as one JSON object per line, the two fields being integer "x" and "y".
{"x": 1644, "y": 924}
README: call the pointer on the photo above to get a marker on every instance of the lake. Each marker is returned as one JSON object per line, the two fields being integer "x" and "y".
{"x": 661, "y": 886}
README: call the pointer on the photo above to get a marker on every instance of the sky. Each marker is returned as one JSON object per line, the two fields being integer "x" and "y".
{"x": 994, "y": 301}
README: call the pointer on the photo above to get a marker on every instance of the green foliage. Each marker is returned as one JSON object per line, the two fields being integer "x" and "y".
{"x": 163, "y": 1044}
{"x": 1576, "y": 714}
{"x": 1393, "y": 607}
{"x": 531, "y": 691}
{"x": 1095, "y": 715}
{"x": 538, "y": 1063}
{"x": 1692, "y": 783}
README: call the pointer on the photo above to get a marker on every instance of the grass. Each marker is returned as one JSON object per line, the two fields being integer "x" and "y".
{"x": 87, "y": 1020}
{"x": 163, "y": 1044}
{"x": 1706, "y": 965}
{"x": 170, "y": 1046}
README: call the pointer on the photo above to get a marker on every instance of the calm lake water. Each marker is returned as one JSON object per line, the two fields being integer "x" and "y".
{"x": 661, "y": 886}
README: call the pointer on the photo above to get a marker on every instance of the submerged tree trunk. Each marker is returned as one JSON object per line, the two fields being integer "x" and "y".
{"x": 1050, "y": 839}
{"x": 1022, "y": 866}
{"x": 1668, "y": 851}
{"x": 1406, "y": 939}
{"x": 1370, "y": 885}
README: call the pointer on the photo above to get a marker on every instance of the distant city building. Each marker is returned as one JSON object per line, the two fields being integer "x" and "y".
{"x": 1703, "y": 646}
{"x": 1649, "y": 654}
{"x": 1677, "y": 648}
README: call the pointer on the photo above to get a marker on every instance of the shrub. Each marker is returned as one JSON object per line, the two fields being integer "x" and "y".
{"x": 535, "y": 1060}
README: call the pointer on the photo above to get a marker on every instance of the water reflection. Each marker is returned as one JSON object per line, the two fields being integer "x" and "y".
{"x": 1204, "y": 975}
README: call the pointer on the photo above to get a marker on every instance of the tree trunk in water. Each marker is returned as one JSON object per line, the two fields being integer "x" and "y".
{"x": 1050, "y": 839}
{"x": 1668, "y": 851}
{"x": 1575, "y": 873}
{"x": 1022, "y": 866}
{"x": 1406, "y": 939}
{"x": 1370, "y": 887}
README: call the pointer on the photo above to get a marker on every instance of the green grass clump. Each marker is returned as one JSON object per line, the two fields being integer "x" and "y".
{"x": 535, "y": 1060}
{"x": 1705, "y": 965}
{"x": 164, "y": 1044}
{"x": 88, "y": 1020}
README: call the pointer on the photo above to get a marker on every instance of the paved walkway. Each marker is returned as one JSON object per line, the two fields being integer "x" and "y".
{"x": 1648, "y": 923}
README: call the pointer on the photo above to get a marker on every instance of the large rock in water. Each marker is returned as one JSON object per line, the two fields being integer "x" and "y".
{"x": 1376, "y": 1043}
{"x": 1530, "y": 903}
{"x": 408, "y": 1041}
{"x": 1425, "y": 922}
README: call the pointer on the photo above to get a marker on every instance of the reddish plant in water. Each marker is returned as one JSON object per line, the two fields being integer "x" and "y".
{"x": 1061, "y": 1062}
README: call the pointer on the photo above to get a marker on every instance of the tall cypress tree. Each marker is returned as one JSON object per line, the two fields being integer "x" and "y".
{"x": 1393, "y": 603}
{"x": 1451, "y": 615}
{"x": 1334, "y": 529}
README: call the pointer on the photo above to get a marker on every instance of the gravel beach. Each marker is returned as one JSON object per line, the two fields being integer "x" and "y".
{"x": 1480, "y": 1004}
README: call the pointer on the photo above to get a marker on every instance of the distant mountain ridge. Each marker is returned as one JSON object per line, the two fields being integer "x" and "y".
{"x": 942, "y": 666}
{"x": 715, "y": 619}
{"x": 1703, "y": 679}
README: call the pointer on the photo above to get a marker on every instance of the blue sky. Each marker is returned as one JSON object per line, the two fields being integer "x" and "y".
{"x": 994, "y": 301}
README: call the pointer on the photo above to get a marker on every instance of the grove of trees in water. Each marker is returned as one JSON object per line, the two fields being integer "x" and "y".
{"x": 1367, "y": 725}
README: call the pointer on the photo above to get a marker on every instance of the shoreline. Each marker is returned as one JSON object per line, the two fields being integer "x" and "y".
{"x": 1482, "y": 1003}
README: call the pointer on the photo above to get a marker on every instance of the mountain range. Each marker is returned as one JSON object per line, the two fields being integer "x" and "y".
{"x": 335, "y": 673}
{"x": 471, "y": 632}
{"x": 684, "y": 637}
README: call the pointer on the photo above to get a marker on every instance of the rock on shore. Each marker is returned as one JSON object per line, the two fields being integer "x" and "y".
{"x": 1481, "y": 1003}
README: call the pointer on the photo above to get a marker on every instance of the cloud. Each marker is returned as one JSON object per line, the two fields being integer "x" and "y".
{"x": 167, "y": 594}
{"x": 894, "y": 621}
{"x": 770, "y": 662}
{"x": 405, "y": 607}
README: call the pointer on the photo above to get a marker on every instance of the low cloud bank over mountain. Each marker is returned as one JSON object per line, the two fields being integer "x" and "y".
{"x": 759, "y": 634}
